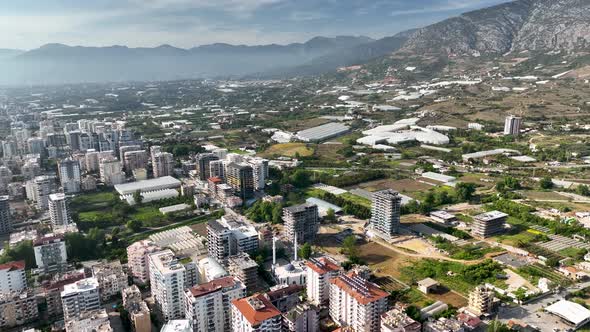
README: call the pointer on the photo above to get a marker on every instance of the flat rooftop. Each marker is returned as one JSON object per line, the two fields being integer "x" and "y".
{"x": 489, "y": 216}
{"x": 165, "y": 182}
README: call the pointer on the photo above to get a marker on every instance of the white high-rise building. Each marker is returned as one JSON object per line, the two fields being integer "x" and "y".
{"x": 319, "y": 273}
{"x": 217, "y": 169}
{"x": 385, "y": 212}
{"x": 208, "y": 306}
{"x": 111, "y": 172}
{"x": 39, "y": 189}
{"x": 229, "y": 236}
{"x": 163, "y": 164}
{"x": 255, "y": 314}
{"x": 357, "y": 303}
{"x": 260, "y": 172}
{"x": 167, "y": 280}
{"x": 58, "y": 210}
{"x": 137, "y": 259}
{"x": 12, "y": 277}
{"x": 69, "y": 175}
{"x": 512, "y": 125}
{"x": 80, "y": 297}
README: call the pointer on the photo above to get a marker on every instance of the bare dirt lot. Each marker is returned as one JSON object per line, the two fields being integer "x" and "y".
{"x": 404, "y": 186}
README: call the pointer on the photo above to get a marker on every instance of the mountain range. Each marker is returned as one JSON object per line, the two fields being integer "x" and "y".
{"x": 522, "y": 25}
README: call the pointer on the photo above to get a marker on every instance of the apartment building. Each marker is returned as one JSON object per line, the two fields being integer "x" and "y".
{"x": 245, "y": 269}
{"x": 357, "y": 303}
{"x": 139, "y": 313}
{"x": 69, "y": 175}
{"x": 319, "y": 273}
{"x": 50, "y": 253}
{"x": 241, "y": 178}
{"x": 167, "y": 280}
{"x": 111, "y": 279}
{"x": 59, "y": 211}
{"x": 302, "y": 221}
{"x": 90, "y": 321}
{"x": 229, "y": 236}
{"x": 137, "y": 259}
{"x": 255, "y": 314}
{"x": 80, "y": 297}
{"x": 12, "y": 277}
{"x": 17, "y": 308}
{"x": 385, "y": 212}
{"x": 207, "y": 305}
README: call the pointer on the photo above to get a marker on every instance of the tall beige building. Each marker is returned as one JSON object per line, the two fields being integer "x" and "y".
{"x": 139, "y": 313}
{"x": 481, "y": 301}
{"x": 163, "y": 164}
{"x": 137, "y": 259}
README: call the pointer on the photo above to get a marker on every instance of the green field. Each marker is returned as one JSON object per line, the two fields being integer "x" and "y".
{"x": 93, "y": 201}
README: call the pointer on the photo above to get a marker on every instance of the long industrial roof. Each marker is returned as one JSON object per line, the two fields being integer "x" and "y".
{"x": 570, "y": 311}
{"x": 165, "y": 182}
{"x": 324, "y": 131}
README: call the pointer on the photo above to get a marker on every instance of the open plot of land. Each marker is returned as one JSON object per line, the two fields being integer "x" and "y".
{"x": 289, "y": 150}
{"x": 515, "y": 281}
{"x": 543, "y": 195}
{"x": 200, "y": 229}
{"x": 479, "y": 179}
{"x": 405, "y": 186}
{"x": 419, "y": 245}
{"x": 92, "y": 201}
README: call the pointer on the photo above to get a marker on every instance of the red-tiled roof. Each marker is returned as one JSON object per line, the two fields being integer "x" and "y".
{"x": 212, "y": 286}
{"x": 18, "y": 265}
{"x": 327, "y": 265}
{"x": 256, "y": 316}
{"x": 215, "y": 179}
{"x": 374, "y": 292}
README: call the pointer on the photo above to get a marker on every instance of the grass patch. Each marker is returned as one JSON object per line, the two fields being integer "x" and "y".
{"x": 453, "y": 275}
{"x": 92, "y": 201}
{"x": 356, "y": 199}
{"x": 290, "y": 150}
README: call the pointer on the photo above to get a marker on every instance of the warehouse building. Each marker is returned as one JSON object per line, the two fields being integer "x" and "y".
{"x": 323, "y": 132}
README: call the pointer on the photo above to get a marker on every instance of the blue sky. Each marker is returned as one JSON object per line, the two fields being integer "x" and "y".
{"x": 27, "y": 24}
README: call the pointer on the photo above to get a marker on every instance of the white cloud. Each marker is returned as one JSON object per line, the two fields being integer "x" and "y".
{"x": 302, "y": 16}
{"x": 238, "y": 7}
{"x": 448, "y": 5}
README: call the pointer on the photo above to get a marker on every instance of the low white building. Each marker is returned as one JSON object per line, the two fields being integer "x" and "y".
{"x": 571, "y": 312}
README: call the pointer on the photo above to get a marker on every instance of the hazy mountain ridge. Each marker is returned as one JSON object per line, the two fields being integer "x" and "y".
{"x": 353, "y": 56}
{"x": 58, "y": 63}
{"x": 534, "y": 25}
